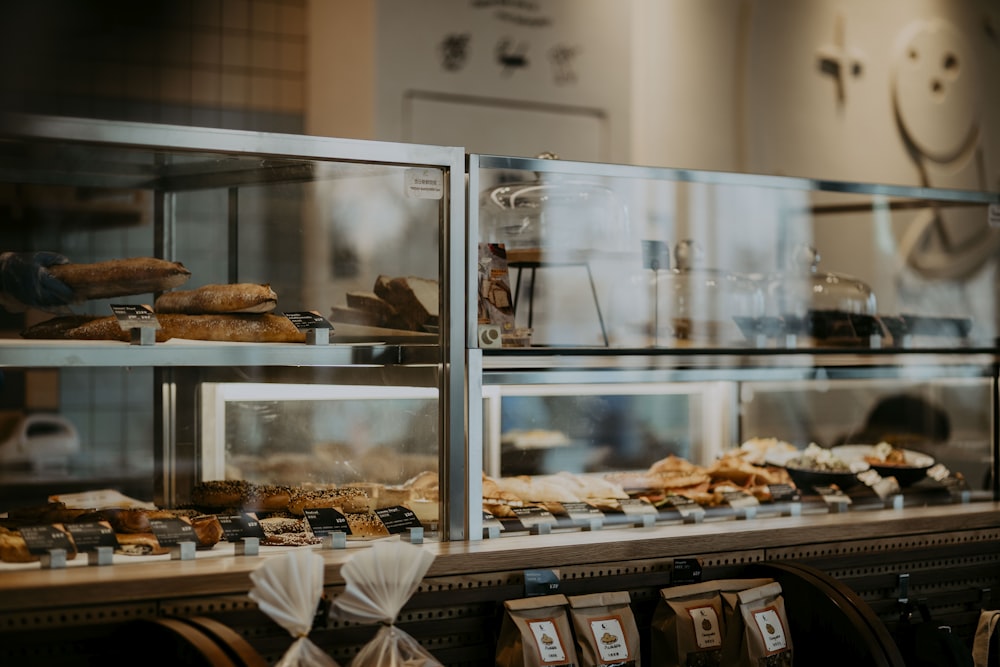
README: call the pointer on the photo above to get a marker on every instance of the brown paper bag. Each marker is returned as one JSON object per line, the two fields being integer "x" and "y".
{"x": 605, "y": 630}
{"x": 535, "y": 632}
{"x": 767, "y": 641}
{"x": 687, "y": 627}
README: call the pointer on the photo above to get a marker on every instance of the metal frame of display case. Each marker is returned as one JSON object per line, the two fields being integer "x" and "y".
{"x": 244, "y": 158}
{"x": 601, "y": 364}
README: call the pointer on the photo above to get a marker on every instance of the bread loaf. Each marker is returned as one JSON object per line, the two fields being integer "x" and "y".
{"x": 262, "y": 328}
{"x": 83, "y": 327}
{"x": 210, "y": 299}
{"x": 382, "y": 312}
{"x": 120, "y": 277}
{"x": 415, "y": 300}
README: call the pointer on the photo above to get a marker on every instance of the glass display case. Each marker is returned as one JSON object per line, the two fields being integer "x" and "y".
{"x": 347, "y": 371}
{"x": 703, "y": 333}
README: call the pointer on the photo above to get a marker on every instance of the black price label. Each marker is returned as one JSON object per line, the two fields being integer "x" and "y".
{"x": 132, "y": 317}
{"x": 540, "y": 582}
{"x": 655, "y": 255}
{"x": 740, "y": 499}
{"x": 398, "y": 519}
{"x": 582, "y": 511}
{"x": 783, "y": 492}
{"x": 307, "y": 319}
{"x": 325, "y": 520}
{"x": 89, "y": 536}
{"x": 237, "y": 526}
{"x": 688, "y": 508}
{"x": 533, "y": 516}
{"x": 169, "y": 532}
{"x": 686, "y": 571}
{"x": 40, "y": 539}
{"x": 637, "y": 507}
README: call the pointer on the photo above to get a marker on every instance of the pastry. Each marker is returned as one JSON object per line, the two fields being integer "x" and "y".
{"x": 139, "y": 544}
{"x": 209, "y": 299}
{"x": 366, "y": 524}
{"x": 207, "y": 529}
{"x": 120, "y": 277}
{"x": 343, "y": 500}
{"x": 220, "y": 493}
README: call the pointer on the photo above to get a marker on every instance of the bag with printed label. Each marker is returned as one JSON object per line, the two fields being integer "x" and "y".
{"x": 687, "y": 627}
{"x": 536, "y": 632}
{"x": 605, "y": 630}
{"x": 732, "y": 619}
{"x": 767, "y": 641}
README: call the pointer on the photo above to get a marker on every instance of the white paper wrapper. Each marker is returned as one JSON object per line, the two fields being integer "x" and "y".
{"x": 288, "y": 589}
{"x": 379, "y": 581}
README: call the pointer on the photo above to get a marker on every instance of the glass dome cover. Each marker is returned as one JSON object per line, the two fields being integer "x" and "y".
{"x": 700, "y": 304}
{"x": 553, "y": 214}
{"x": 807, "y": 289}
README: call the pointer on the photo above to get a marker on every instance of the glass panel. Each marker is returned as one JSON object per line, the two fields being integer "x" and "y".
{"x": 620, "y": 257}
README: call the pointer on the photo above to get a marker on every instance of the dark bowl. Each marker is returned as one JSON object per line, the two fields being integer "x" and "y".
{"x": 912, "y": 471}
{"x": 807, "y": 478}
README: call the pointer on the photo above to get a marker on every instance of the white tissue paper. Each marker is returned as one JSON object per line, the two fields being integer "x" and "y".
{"x": 379, "y": 581}
{"x": 288, "y": 589}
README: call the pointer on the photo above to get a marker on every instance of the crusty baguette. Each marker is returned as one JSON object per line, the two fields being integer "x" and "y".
{"x": 212, "y": 299}
{"x": 261, "y": 328}
{"x": 231, "y": 327}
{"x": 83, "y": 327}
{"x": 120, "y": 277}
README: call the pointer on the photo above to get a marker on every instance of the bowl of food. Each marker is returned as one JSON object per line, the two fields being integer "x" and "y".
{"x": 906, "y": 465}
{"x": 816, "y": 466}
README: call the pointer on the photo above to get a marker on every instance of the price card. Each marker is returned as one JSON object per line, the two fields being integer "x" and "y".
{"x": 637, "y": 507}
{"x": 689, "y": 510}
{"x": 833, "y": 496}
{"x": 89, "y": 536}
{"x": 582, "y": 511}
{"x": 541, "y": 582}
{"x": 655, "y": 255}
{"x": 235, "y": 527}
{"x": 169, "y": 532}
{"x": 398, "y": 519}
{"x": 134, "y": 316}
{"x": 686, "y": 571}
{"x": 307, "y": 319}
{"x": 424, "y": 183}
{"x": 41, "y": 539}
{"x": 783, "y": 493}
{"x": 533, "y": 516}
{"x": 325, "y": 520}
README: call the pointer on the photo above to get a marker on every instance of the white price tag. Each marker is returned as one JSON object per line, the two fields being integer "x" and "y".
{"x": 424, "y": 183}
{"x": 993, "y": 217}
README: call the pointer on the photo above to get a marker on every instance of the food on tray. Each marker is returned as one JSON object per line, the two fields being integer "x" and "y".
{"x": 14, "y": 549}
{"x": 408, "y": 302}
{"x": 84, "y": 327}
{"x": 341, "y": 499}
{"x": 227, "y": 327}
{"x": 761, "y": 451}
{"x": 212, "y": 299}
{"x": 818, "y": 459}
{"x": 240, "y": 494}
{"x": 885, "y": 454}
{"x": 120, "y": 277}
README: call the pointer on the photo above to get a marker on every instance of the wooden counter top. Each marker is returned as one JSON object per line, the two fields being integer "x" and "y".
{"x": 34, "y": 589}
